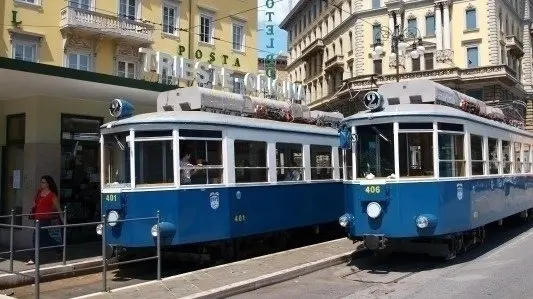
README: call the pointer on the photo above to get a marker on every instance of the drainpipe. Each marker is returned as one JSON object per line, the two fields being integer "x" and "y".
{"x": 191, "y": 31}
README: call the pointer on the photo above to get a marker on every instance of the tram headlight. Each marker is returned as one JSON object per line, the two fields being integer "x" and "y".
{"x": 112, "y": 217}
{"x": 373, "y": 209}
{"x": 154, "y": 231}
{"x": 99, "y": 229}
{"x": 345, "y": 220}
{"x": 422, "y": 221}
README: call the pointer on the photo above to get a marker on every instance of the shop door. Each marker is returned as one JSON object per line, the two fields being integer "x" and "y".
{"x": 14, "y": 193}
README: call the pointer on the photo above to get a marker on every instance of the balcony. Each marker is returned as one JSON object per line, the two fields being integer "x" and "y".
{"x": 90, "y": 22}
{"x": 514, "y": 46}
{"x": 335, "y": 62}
{"x": 315, "y": 47}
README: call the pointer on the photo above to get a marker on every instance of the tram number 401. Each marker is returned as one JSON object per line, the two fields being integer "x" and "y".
{"x": 372, "y": 189}
{"x": 240, "y": 218}
{"x": 111, "y": 197}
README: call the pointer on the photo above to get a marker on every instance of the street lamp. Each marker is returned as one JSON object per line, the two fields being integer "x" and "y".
{"x": 399, "y": 44}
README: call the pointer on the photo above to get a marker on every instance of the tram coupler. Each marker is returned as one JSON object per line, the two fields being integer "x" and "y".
{"x": 375, "y": 242}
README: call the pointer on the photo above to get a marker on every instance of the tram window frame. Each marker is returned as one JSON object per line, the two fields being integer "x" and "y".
{"x": 349, "y": 164}
{"x": 143, "y": 137}
{"x": 384, "y": 150}
{"x": 458, "y": 165}
{"x": 315, "y": 151}
{"x": 407, "y": 131}
{"x": 517, "y": 157}
{"x": 257, "y": 173}
{"x": 526, "y": 163}
{"x": 208, "y": 169}
{"x": 473, "y": 161}
{"x": 291, "y": 173}
{"x": 121, "y": 154}
{"x": 493, "y": 160}
{"x": 507, "y": 165}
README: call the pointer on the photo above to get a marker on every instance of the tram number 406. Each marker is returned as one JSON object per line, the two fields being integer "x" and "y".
{"x": 111, "y": 197}
{"x": 240, "y": 218}
{"x": 372, "y": 189}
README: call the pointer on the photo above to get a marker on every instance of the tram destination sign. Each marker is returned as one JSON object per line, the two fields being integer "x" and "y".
{"x": 203, "y": 72}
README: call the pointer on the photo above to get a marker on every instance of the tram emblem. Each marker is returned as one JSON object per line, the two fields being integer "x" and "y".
{"x": 214, "y": 199}
{"x": 459, "y": 191}
{"x": 373, "y": 100}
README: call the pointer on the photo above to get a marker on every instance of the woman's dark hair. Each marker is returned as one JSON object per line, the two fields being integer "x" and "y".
{"x": 51, "y": 184}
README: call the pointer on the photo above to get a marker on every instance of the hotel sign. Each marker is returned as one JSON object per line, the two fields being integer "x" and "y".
{"x": 203, "y": 72}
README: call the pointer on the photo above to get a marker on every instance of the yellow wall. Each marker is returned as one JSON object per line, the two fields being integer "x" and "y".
{"x": 45, "y": 20}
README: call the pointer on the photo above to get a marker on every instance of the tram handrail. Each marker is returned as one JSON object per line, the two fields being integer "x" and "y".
{"x": 37, "y": 248}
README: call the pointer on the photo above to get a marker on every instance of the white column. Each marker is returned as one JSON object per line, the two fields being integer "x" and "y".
{"x": 446, "y": 20}
{"x": 438, "y": 26}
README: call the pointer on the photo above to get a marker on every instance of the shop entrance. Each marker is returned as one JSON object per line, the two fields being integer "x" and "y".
{"x": 80, "y": 173}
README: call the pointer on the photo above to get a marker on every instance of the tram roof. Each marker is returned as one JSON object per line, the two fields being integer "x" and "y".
{"x": 209, "y": 118}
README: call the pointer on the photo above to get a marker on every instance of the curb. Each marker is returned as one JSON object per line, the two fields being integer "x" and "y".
{"x": 272, "y": 278}
{"x": 26, "y": 277}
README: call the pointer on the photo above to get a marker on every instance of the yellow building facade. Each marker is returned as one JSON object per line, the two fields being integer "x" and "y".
{"x": 481, "y": 48}
{"x": 61, "y": 64}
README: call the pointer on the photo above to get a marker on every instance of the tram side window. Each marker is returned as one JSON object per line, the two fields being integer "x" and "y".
{"x": 349, "y": 164}
{"x": 117, "y": 159}
{"x": 375, "y": 150}
{"x": 517, "y": 159}
{"x": 200, "y": 160}
{"x": 416, "y": 154}
{"x": 153, "y": 162}
{"x": 321, "y": 164}
{"x": 451, "y": 155}
{"x": 526, "y": 164}
{"x": 250, "y": 161}
{"x": 289, "y": 162}
{"x": 506, "y": 156}
{"x": 476, "y": 148}
{"x": 494, "y": 164}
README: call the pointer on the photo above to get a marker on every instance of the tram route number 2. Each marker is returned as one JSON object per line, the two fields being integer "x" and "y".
{"x": 111, "y": 197}
{"x": 240, "y": 218}
{"x": 372, "y": 189}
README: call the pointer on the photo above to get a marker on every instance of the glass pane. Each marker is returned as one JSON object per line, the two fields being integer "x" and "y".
{"x": 19, "y": 51}
{"x": 416, "y": 154}
{"x": 375, "y": 149}
{"x": 153, "y": 162}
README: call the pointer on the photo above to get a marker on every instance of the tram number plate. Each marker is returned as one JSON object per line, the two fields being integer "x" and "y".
{"x": 372, "y": 189}
{"x": 111, "y": 197}
{"x": 240, "y": 218}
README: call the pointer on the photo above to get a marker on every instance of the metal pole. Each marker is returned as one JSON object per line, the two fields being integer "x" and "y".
{"x": 37, "y": 262}
{"x": 104, "y": 262}
{"x": 65, "y": 235}
{"x": 395, "y": 38}
{"x": 158, "y": 247}
{"x": 11, "y": 240}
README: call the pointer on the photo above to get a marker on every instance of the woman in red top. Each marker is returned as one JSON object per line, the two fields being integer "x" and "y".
{"x": 45, "y": 209}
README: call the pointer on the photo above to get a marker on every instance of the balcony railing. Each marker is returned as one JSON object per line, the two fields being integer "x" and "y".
{"x": 113, "y": 26}
{"x": 337, "y": 61}
{"x": 514, "y": 46}
{"x": 315, "y": 46}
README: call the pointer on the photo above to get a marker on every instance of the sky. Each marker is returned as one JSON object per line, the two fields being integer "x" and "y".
{"x": 281, "y": 9}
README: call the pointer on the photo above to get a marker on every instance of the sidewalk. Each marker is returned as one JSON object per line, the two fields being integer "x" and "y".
{"x": 239, "y": 277}
{"x": 79, "y": 257}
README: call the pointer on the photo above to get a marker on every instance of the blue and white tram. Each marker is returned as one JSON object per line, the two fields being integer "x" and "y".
{"x": 217, "y": 167}
{"x": 429, "y": 167}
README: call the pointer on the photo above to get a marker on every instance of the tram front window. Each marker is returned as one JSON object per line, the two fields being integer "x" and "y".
{"x": 375, "y": 151}
{"x": 116, "y": 160}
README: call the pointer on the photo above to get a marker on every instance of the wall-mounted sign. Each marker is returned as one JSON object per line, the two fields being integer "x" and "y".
{"x": 202, "y": 72}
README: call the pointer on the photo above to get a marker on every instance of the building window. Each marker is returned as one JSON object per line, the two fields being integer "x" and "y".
{"x": 83, "y": 4}
{"x": 471, "y": 18}
{"x": 128, "y": 8}
{"x": 126, "y": 69}
{"x": 472, "y": 56}
{"x": 238, "y": 84}
{"x": 376, "y": 33}
{"x": 430, "y": 25}
{"x": 376, "y": 3}
{"x": 25, "y": 50}
{"x": 36, "y": 2}
{"x": 378, "y": 67}
{"x": 238, "y": 37}
{"x": 428, "y": 61}
{"x": 170, "y": 18}
{"x": 415, "y": 64}
{"x": 79, "y": 61}
{"x": 206, "y": 28}
{"x": 166, "y": 74}
{"x": 411, "y": 27}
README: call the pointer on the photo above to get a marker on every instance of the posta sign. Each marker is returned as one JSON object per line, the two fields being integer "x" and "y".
{"x": 194, "y": 70}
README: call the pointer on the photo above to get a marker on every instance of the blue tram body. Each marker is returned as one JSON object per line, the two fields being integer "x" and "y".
{"x": 253, "y": 175}
{"x": 426, "y": 177}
